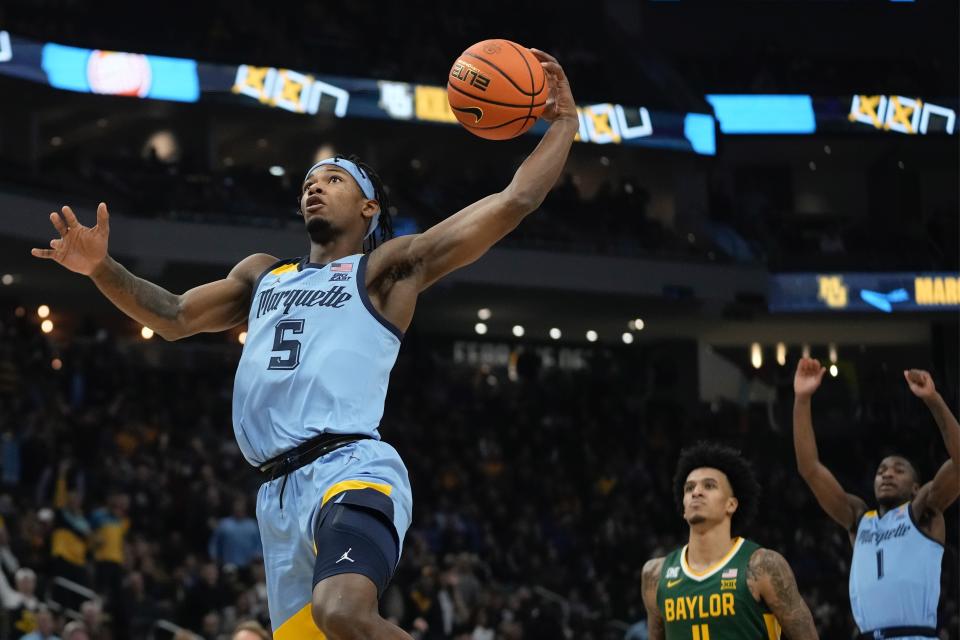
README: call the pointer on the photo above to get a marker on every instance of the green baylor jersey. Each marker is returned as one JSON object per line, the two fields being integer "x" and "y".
{"x": 715, "y": 604}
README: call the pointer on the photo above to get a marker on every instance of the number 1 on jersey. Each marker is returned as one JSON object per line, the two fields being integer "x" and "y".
{"x": 879, "y": 564}
{"x": 291, "y": 347}
{"x": 701, "y": 632}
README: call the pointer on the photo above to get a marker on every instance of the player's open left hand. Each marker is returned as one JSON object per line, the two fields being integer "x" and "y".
{"x": 79, "y": 248}
{"x": 560, "y": 104}
{"x": 921, "y": 383}
{"x": 809, "y": 375}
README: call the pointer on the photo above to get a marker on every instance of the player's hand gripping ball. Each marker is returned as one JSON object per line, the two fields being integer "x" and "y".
{"x": 497, "y": 89}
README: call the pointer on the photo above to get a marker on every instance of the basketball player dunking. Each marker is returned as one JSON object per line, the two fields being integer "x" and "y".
{"x": 720, "y": 586}
{"x": 897, "y": 547}
{"x": 323, "y": 334}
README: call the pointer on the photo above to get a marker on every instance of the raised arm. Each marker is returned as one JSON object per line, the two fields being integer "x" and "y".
{"x": 215, "y": 306}
{"x": 938, "y": 494}
{"x": 843, "y": 507}
{"x": 465, "y": 236}
{"x": 651, "y": 577}
{"x": 771, "y": 580}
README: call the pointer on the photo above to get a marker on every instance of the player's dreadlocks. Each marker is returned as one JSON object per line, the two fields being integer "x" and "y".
{"x": 385, "y": 225}
{"x": 738, "y": 471}
{"x": 384, "y": 230}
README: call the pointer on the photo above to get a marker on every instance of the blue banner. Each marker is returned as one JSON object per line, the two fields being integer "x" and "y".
{"x": 764, "y": 114}
{"x": 120, "y": 74}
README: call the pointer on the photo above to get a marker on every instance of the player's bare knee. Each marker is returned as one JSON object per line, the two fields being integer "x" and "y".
{"x": 339, "y": 621}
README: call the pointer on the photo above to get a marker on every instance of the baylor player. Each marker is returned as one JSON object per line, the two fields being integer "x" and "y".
{"x": 720, "y": 586}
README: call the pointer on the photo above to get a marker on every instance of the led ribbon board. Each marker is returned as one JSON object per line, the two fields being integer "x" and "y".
{"x": 162, "y": 78}
{"x": 864, "y": 292}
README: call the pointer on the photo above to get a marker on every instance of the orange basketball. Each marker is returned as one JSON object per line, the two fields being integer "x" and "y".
{"x": 497, "y": 89}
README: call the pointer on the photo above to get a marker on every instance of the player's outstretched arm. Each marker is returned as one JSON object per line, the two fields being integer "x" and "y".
{"x": 465, "y": 236}
{"x": 942, "y": 491}
{"x": 216, "y": 306}
{"x": 651, "y": 577}
{"x": 771, "y": 580}
{"x": 844, "y": 508}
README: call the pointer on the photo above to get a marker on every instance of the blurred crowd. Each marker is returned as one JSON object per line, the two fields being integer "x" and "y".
{"x": 753, "y": 223}
{"x": 126, "y": 508}
{"x": 539, "y": 491}
{"x": 614, "y": 219}
{"x": 756, "y": 222}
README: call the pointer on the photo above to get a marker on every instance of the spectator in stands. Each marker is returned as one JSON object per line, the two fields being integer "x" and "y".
{"x": 140, "y": 608}
{"x": 68, "y": 546}
{"x": 46, "y": 627}
{"x": 22, "y": 605}
{"x": 236, "y": 540}
{"x": 211, "y": 626}
{"x": 92, "y": 613}
{"x": 208, "y": 593}
{"x": 250, "y": 630}
{"x": 8, "y": 561}
{"x": 77, "y": 631}
{"x": 110, "y": 525}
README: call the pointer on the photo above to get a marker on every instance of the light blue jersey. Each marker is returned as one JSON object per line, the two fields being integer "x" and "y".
{"x": 316, "y": 360}
{"x": 895, "y": 573}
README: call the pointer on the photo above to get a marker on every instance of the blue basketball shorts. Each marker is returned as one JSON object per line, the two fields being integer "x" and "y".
{"x": 335, "y": 516}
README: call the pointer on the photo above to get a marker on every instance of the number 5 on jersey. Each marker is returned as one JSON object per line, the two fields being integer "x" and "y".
{"x": 291, "y": 347}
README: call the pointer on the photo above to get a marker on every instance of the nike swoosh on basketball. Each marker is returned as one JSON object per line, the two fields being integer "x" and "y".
{"x": 476, "y": 112}
{"x": 673, "y": 583}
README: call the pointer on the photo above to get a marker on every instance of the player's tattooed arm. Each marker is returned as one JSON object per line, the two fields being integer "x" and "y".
{"x": 771, "y": 580}
{"x": 215, "y": 306}
{"x": 211, "y": 307}
{"x": 651, "y": 577}
{"x": 157, "y": 305}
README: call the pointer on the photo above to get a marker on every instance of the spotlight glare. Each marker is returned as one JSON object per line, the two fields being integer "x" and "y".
{"x": 146, "y": 333}
{"x": 56, "y": 364}
{"x": 592, "y": 336}
{"x": 484, "y": 314}
{"x": 638, "y": 324}
{"x": 277, "y": 170}
{"x": 834, "y": 371}
{"x": 518, "y": 330}
{"x": 833, "y": 353}
{"x": 43, "y": 311}
{"x": 242, "y": 337}
{"x": 756, "y": 355}
{"x": 781, "y": 354}
{"x": 46, "y": 326}
{"x": 627, "y": 337}
{"x": 480, "y": 328}
{"x": 555, "y": 333}
{"x": 7, "y": 279}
